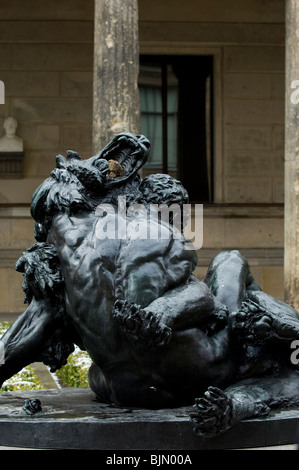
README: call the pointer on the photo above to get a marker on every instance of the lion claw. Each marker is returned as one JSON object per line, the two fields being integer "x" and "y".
{"x": 140, "y": 324}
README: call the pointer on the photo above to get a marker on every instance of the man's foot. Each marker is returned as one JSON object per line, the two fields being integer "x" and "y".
{"x": 140, "y": 324}
{"x": 257, "y": 325}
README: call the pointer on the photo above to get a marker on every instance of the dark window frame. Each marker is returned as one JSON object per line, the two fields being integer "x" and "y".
{"x": 195, "y": 69}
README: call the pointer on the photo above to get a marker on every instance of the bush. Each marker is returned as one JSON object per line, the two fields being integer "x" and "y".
{"x": 26, "y": 379}
{"x": 74, "y": 373}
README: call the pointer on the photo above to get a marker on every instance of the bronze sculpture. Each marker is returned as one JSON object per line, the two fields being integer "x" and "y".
{"x": 158, "y": 336}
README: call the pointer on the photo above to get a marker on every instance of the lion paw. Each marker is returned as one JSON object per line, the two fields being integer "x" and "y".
{"x": 140, "y": 324}
{"x": 212, "y": 413}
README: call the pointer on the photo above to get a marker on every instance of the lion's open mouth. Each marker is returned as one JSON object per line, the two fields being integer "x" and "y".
{"x": 129, "y": 151}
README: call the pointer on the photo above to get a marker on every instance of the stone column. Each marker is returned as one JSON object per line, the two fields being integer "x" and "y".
{"x": 292, "y": 155}
{"x": 116, "y": 67}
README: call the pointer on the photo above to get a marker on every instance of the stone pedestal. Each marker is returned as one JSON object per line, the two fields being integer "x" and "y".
{"x": 74, "y": 419}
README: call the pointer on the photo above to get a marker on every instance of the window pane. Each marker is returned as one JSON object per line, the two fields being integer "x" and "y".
{"x": 152, "y": 115}
{"x": 151, "y": 127}
{"x": 176, "y": 116}
{"x": 172, "y": 105}
{"x": 151, "y": 111}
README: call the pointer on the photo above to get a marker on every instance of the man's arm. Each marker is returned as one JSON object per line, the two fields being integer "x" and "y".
{"x": 217, "y": 411}
{"x": 40, "y": 333}
{"x": 189, "y": 305}
{"x": 161, "y": 294}
{"x": 34, "y": 337}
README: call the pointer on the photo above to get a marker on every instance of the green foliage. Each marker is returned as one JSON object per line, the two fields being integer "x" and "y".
{"x": 74, "y": 373}
{"x": 26, "y": 379}
{"x": 4, "y": 325}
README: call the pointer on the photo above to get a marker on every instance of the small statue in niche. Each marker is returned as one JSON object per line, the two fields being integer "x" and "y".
{"x": 157, "y": 335}
{"x": 11, "y": 142}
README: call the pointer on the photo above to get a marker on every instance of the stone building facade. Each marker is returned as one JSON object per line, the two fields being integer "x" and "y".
{"x": 47, "y": 65}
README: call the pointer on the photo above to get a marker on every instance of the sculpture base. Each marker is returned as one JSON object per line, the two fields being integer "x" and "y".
{"x": 72, "y": 418}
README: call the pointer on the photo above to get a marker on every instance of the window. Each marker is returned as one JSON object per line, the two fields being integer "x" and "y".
{"x": 176, "y": 116}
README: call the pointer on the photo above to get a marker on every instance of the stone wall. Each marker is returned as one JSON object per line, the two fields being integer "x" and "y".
{"x": 16, "y": 235}
{"x": 246, "y": 40}
{"x": 258, "y": 232}
{"x": 254, "y": 123}
{"x": 46, "y": 63}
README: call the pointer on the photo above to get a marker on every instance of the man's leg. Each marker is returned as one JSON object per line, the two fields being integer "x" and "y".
{"x": 40, "y": 333}
{"x": 229, "y": 278}
{"x": 257, "y": 318}
{"x": 218, "y": 410}
{"x": 34, "y": 337}
{"x": 189, "y": 305}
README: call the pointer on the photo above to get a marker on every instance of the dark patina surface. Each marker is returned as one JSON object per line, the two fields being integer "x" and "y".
{"x": 158, "y": 337}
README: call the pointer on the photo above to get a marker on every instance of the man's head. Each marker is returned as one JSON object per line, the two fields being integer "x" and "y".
{"x": 10, "y": 126}
{"x": 162, "y": 189}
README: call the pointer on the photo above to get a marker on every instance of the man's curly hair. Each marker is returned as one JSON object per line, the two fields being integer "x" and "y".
{"x": 162, "y": 189}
